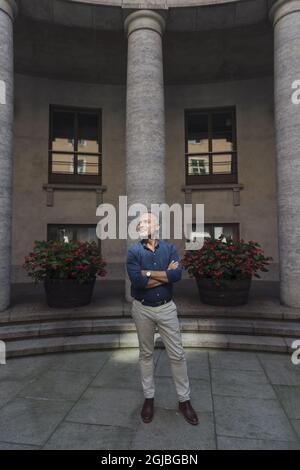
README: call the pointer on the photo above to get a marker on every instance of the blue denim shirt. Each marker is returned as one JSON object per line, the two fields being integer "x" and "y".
{"x": 140, "y": 257}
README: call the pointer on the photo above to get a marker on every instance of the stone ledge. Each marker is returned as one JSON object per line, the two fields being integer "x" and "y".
{"x": 123, "y": 340}
{"x": 121, "y": 325}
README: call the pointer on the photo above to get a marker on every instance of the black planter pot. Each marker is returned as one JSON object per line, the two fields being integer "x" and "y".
{"x": 68, "y": 293}
{"x": 230, "y": 293}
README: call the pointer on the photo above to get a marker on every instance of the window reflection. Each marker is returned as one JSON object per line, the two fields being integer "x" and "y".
{"x": 198, "y": 165}
{"x": 88, "y": 165}
{"x": 63, "y": 131}
{"x": 210, "y": 146}
{"x": 72, "y": 232}
{"x": 75, "y": 149}
{"x": 62, "y": 163}
{"x": 197, "y": 133}
{"x": 221, "y": 163}
{"x": 88, "y": 133}
{"x": 222, "y": 132}
{"x": 212, "y": 230}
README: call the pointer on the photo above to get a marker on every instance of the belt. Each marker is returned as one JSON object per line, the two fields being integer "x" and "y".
{"x": 153, "y": 304}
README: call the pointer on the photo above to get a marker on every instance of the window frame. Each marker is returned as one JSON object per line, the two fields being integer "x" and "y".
{"x": 66, "y": 225}
{"x": 211, "y": 178}
{"x": 209, "y": 226}
{"x": 234, "y": 225}
{"x": 74, "y": 178}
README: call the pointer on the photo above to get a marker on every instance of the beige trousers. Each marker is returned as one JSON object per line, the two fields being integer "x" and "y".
{"x": 166, "y": 319}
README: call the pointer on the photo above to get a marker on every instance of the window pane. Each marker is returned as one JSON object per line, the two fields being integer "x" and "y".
{"x": 208, "y": 230}
{"x": 62, "y": 163}
{"x": 63, "y": 131}
{"x": 222, "y": 126}
{"x": 198, "y": 165}
{"x": 70, "y": 233}
{"x": 212, "y": 230}
{"x": 87, "y": 234}
{"x": 61, "y": 233}
{"x": 197, "y": 130}
{"x": 221, "y": 163}
{"x": 227, "y": 231}
{"x": 88, "y": 132}
{"x": 88, "y": 164}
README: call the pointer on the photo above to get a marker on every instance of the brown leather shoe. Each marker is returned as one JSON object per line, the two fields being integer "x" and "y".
{"x": 147, "y": 410}
{"x": 188, "y": 412}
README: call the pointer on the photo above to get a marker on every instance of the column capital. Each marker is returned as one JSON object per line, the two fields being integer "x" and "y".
{"x": 144, "y": 19}
{"x": 282, "y": 8}
{"x": 10, "y": 7}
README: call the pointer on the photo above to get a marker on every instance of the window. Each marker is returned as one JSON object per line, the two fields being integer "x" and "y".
{"x": 72, "y": 232}
{"x": 213, "y": 230}
{"x": 210, "y": 146}
{"x": 75, "y": 145}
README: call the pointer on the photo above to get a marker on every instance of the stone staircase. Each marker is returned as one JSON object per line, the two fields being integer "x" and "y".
{"x": 30, "y": 327}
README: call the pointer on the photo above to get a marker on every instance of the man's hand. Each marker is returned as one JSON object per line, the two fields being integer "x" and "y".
{"x": 153, "y": 283}
{"x": 173, "y": 265}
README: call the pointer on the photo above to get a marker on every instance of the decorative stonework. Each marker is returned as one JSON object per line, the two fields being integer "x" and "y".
{"x": 50, "y": 188}
{"x": 9, "y": 7}
{"x": 282, "y": 8}
{"x": 144, "y": 19}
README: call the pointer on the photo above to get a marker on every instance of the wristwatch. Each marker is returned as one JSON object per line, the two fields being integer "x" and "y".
{"x": 148, "y": 273}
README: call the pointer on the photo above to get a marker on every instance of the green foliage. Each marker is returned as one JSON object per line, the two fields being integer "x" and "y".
{"x": 225, "y": 260}
{"x": 64, "y": 260}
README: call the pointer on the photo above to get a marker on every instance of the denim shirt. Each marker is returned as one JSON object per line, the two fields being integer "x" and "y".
{"x": 140, "y": 257}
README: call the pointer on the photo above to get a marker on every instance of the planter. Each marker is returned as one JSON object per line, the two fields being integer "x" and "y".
{"x": 230, "y": 293}
{"x": 68, "y": 293}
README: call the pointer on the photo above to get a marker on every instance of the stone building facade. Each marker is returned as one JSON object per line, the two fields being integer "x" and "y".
{"x": 163, "y": 101}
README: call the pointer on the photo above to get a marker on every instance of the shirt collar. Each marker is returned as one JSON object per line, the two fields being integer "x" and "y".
{"x": 144, "y": 240}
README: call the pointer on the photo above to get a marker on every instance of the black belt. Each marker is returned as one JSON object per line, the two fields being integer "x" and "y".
{"x": 153, "y": 304}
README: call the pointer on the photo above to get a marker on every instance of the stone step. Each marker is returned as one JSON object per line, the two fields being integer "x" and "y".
{"x": 29, "y": 347}
{"x": 38, "y": 313}
{"x": 122, "y": 325}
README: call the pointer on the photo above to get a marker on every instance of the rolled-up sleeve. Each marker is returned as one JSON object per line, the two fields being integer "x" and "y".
{"x": 174, "y": 275}
{"x": 138, "y": 280}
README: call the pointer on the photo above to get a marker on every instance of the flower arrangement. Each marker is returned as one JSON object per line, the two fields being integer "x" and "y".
{"x": 76, "y": 260}
{"x": 225, "y": 260}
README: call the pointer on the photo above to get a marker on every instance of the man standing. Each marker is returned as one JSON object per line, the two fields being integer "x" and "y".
{"x": 153, "y": 266}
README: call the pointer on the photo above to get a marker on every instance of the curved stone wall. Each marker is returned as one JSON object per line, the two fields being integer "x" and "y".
{"x": 156, "y": 4}
{"x": 109, "y": 15}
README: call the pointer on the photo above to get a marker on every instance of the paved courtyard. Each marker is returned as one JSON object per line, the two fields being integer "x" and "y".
{"x": 92, "y": 400}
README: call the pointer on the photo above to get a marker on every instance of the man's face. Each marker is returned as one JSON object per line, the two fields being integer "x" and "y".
{"x": 147, "y": 225}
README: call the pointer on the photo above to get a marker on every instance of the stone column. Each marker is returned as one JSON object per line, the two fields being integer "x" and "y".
{"x": 285, "y": 15}
{"x": 145, "y": 113}
{"x": 8, "y": 10}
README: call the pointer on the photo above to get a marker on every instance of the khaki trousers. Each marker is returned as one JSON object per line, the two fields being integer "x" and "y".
{"x": 166, "y": 319}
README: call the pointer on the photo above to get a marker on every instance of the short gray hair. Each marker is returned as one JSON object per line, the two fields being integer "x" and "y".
{"x": 152, "y": 214}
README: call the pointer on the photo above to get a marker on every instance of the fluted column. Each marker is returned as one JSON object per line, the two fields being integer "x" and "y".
{"x": 285, "y": 15}
{"x": 145, "y": 112}
{"x": 8, "y": 10}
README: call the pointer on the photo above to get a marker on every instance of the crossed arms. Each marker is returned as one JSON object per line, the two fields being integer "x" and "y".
{"x": 159, "y": 277}
{"x": 141, "y": 281}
